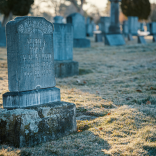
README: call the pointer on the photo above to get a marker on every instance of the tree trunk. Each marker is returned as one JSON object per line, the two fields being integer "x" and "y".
{"x": 7, "y": 18}
{"x": 81, "y": 7}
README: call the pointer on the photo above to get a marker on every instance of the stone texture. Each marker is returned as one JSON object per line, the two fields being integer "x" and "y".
{"x": 114, "y": 39}
{"x": 114, "y": 27}
{"x": 2, "y": 37}
{"x": 98, "y": 37}
{"x": 78, "y": 22}
{"x": 63, "y": 42}
{"x": 133, "y": 25}
{"x": 105, "y": 23}
{"x": 35, "y": 125}
{"x": 58, "y": 19}
{"x": 30, "y": 54}
{"x": 30, "y": 98}
{"x": 66, "y": 68}
{"x": 141, "y": 40}
{"x": 81, "y": 43}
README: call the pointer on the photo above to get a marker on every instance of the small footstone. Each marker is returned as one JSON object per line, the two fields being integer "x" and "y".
{"x": 66, "y": 68}
{"x": 141, "y": 40}
{"x": 114, "y": 39}
{"x": 38, "y": 124}
{"x": 81, "y": 43}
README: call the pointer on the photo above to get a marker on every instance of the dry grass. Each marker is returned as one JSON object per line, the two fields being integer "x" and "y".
{"x": 115, "y": 99}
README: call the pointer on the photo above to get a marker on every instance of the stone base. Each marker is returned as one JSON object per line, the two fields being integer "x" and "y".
{"x": 66, "y": 68}
{"x": 141, "y": 40}
{"x": 35, "y": 125}
{"x": 114, "y": 39}
{"x": 81, "y": 43}
{"x": 30, "y": 98}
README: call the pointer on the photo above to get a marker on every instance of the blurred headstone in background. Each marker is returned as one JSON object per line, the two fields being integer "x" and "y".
{"x": 141, "y": 39}
{"x": 63, "y": 51}
{"x": 79, "y": 30}
{"x": 105, "y": 23}
{"x": 125, "y": 28}
{"x": 114, "y": 37}
{"x": 142, "y": 27}
{"x": 89, "y": 27}
{"x": 58, "y": 19}
{"x": 2, "y": 36}
{"x": 98, "y": 36}
{"x": 133, "y": 25}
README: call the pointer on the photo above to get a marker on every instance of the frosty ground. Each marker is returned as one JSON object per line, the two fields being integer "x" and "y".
{"x": 115, "y": 96}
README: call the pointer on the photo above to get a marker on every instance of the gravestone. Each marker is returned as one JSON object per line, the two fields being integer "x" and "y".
{"x": 154, "y": 38}
{"x": 105, "y": 23}
{"x": 125, "y": 28}
{"x": 153, "y": 28}
{"x": 114, "y": 37}
{"x": 133, "y": 25}
{"x": 79, "y": 30}
{"x": 94, "y": 26}
{"x": 148, "y": 25}
{"x": 63, "y": 51}
{"x": 130, "y": 37}
{"x": 99, "y": 27}
{"x": 98, "y": 36}
{"x": 141, "y": 40}
{"x": 114, "y": 40}
{"x": 89, "y": 27}
{"x": 2, "y": 36}
{"x": 142, "y": 26}
{"x": 35, "y": 114}
{"x": 58, "y": 19}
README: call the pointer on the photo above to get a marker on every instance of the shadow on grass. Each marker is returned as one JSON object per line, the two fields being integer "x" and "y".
{"x": 151, "y": 150}
{"x": 85, "y": 71}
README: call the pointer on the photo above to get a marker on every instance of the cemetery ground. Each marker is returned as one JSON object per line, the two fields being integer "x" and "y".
{"x": 115, "y": 96}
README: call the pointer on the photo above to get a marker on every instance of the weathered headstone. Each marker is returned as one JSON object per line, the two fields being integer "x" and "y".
{"x": 98, "y": 36}
{"x": 154, "y": 38}
{"x": 39, "y": 116}
{"x": 153, "y": 28}
{"x": 114, "y": 37}
{"x": 125, "y": 28}
{"x": 79, "y": 30}
{"x": 148, "y": 25}
{"x": 142, "y": 27}
{"x": 130, "y": 37}
{"x": 2, "y": 36}
{"x": 63, "y": 51}
{"x": 105, "y": 23}
{"x": 141, "y": 40}
{"x": 93, "y": 25}
{"x": 58, "y": 19}
{"x": 99, "y": 25}
{"x": 133, "y": 25}
{"x": 89, "y": 27}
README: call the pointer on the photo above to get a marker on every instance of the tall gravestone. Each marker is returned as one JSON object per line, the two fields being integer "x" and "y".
{"x": 114, "y": 37}
{"x": 153, "y": 31}
{"x": 89, "y": 27}
{"x": 63, "y": 51}
{"x": 2, "y": 36}
{"x": 58, "y": 19}
{"x": 133, "y": 25}
{"x": 105, "y": 23}
{"x": 38, "y": 115}
{"x": 79, "y": 30}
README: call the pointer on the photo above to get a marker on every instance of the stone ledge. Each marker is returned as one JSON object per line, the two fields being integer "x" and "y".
{"x": 66, "y": 68}
{"x": 35, "y": 125}
{"x": 30, "y": 98}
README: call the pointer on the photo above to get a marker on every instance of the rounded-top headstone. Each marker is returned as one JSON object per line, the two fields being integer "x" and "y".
{"x": 30, "y": 54}
{"x": 58, "y": 19}
{"x": 78, "y": 22}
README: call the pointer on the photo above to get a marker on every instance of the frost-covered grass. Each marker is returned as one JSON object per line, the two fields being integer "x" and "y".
{"x": 115, "y": 96}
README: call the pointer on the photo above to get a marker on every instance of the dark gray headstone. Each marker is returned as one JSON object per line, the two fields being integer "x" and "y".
{"x": 125, "y": 28}
{"x": 154, "y": 38}
{"x": 98, "y": 37}
{"x": 148, "y": 25}
{"x": 130, "y": 37}
{"x": 114, "y": 27}
{"x": 58, "y": 19}
{"x": 30, "y": 54}
{"x": 153, "y": 28}
{"x": 105, "y": 23}
{"x": 2, "y": 36}
{"x": 89, "y": 27}
{"x": 133, "y": 25}
{"x": 142, "y": 26}
{"x": 78, "y": 22}
{"x": 141, "y": 40}
{"x": 114, "y": 39}
{"x": 63, "y": 41}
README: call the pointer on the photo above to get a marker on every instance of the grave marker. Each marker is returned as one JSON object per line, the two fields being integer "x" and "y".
{"x": 58, "y": 19}
{"x": 133, "y": 25}
{"x": 141, "y": 40}
{"x": 79, "y": 30}
{"x": 63, "y": 51}
{"x": 2, "y": 36}
{"x": 105, "y": 23}
{"x": 38, "y": 115}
